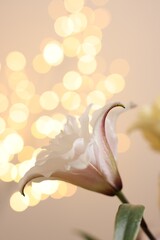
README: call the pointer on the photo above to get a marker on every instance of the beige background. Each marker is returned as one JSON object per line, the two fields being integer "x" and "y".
{"x": 134, "y": 34}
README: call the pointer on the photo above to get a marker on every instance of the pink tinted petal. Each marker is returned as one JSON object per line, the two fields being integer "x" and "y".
{"x": 88, "y": 178}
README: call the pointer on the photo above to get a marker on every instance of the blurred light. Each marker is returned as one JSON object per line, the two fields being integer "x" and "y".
{"x": 25, "y": 154}
{"x": 18, "y": 112}
{"x": 72, "y": 80}
{"x": 101, "y": 64}
{"x": 16, "y": 125}
{"x": 3, "y": 167}
{"x": 87, "y": 64}
{"x": 87, "y": 84}
{"x": 71, "y": 101}
{"x": 25, "y": 89}
{"x": 71, "y": 46}
{"x": 4, "y": 103}
{"x": 60, "y": 118}
{"x": 13, "y": 143}
{"x": 100, "y": 2}
{"x": 15, "y": 77}
{"x": 79, "y": 21}
{"x": 53, "y": 53}
{"x": 49, "y": 100}
{"x": 59, "y": 89}
{"x": 123, "y": 142}
{"x": 18, "y": 202}
{"x": 2, "y": 125}
{"x": 89, "y": 13}
{"x": 91, "y": 45}
{"x": 102, "y": 18}
{"x": 120, "y": 66}
{"x": 48, "y": 126}
{"x": 71, "y": 190}
{"x": 97, "y": 98}
{"x": 34, "y": 198}
{"x": 11, "y": 173}
{"x": 115, "y": 83}
{"x": 62, "y": 189}
{"x": 92, "y": 31}
{"x": 4, "y": 155}
{"x": 23, "y": 167}
{"x": 34, "y": 104}
{"x": 64, "y": 26}
{"x": 73, "y": 6}
{"x": 35, "y": 132}
{"x": 40, "y": 65}
{"x": 100, "y": 86}
{"x": 46, "y": 187}
{"x": 16, "y": 61}
{"x": 56, "y": 9}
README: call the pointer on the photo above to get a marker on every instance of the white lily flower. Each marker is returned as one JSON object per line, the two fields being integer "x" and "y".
{"x": 80, "y": 157}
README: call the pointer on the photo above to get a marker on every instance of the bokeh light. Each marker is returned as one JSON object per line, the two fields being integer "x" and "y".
{"x": 49, "y": 100}
{"x": 18, "y": 202}
{"x": 71, "y": 46}
{"x": 79, "y": 21}
{"x": 46, "y": 187}
{"x": 40, "y": 65}
{"x": 71, "y": 101}
{"x": 34, "y": 104}
{"x": 13, "y": 143}
{"x": 16, "y": 61}
{"x": 10, "y": 174}
{"x": 92, "y": 31}
{"x": 47, "y": 126}
{"x": 72, "y": 80}
{"x": 19, "y": 112}
{"x": 53, "y": 53}
{"x": 2, "y": 125}
{"x": 73, "y": 6}
{"x": 89, "y": 13}
{"x": 97, "y": 98}
{"x": 115, "y": 83}
{"x": 64, "y": 26}
{"x": 25, "y": 89}
{"x": 102, "y": 18}
{"x": 4, "y": 103}
{"x": 91, "y": 45}
{"x": 15, "y": 77}
{"x": 26, "y": 153}
{"x": 87, "y": 64}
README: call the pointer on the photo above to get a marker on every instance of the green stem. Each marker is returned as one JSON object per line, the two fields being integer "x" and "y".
{"x": 144, "y": 226}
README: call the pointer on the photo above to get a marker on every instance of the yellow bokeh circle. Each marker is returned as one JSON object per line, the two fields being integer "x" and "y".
{"x": 49, "y": 100}
{"x": 115, "y": 83}
{"x": 53, "y": 53}
{"x": 71, "y": 100}
{"x": 18, "y": 202}
{"x": 72, "y": 80}
{"x": 16, "y": 61}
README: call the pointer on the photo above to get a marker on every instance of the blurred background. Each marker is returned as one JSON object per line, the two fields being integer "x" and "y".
{"x": 56, "y": 57}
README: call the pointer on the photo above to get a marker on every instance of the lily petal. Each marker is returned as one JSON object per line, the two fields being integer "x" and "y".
{"x": 87, "y": 160}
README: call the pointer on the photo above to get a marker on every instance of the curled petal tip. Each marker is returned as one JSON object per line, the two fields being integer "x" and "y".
{"x": 25, "y": 181}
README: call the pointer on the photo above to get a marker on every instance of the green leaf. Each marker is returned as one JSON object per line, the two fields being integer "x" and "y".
{"x": 128, "y": 221}
{"x": 86, "y": 236}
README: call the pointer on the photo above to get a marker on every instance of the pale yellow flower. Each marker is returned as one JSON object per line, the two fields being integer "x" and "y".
{"x": 148, "y": 122}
